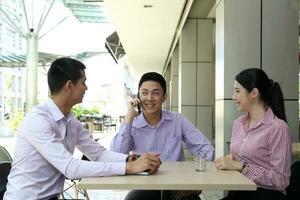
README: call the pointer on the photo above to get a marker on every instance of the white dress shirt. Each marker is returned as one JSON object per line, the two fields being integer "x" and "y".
{"x": 46, "y": 140}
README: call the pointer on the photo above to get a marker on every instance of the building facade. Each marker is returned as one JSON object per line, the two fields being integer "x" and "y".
{"x": 11, "y": 43}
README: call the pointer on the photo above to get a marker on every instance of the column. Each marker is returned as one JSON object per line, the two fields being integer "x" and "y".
{"x": 167, "y": 76}
{"x": 175, "y": 62}
{"x": 256, "y": 33}
{"x": 196, "y": 74}
{"x": 31, "y": 73}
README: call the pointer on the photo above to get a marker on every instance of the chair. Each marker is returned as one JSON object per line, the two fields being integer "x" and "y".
{"x": 108, "y": 123}
{"x": 5, "y": 166}
{"x": 293, "y": 190}
{"x": 73, "y": 184}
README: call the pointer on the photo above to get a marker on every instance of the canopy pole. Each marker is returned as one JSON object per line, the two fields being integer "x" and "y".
{"x": 31, "y": 72}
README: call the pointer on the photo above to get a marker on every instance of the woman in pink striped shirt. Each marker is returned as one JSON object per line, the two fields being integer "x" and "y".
{"x": 261, "y": 142}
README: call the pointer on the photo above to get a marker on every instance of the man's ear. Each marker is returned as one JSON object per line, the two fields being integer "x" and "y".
{"x": 165, "y": 97}
{"x": 69, "y": 85}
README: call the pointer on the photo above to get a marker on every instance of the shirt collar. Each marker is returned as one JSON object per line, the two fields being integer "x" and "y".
{"x": 267, "y": 119}
{"x": 141, "y": 122}
{"x": 55, "y": 111}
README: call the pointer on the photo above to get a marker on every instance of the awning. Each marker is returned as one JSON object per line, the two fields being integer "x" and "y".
{"x": 114, "y": 46}
{"x": 88, "y": 10}
{"x": 13, "y": 60}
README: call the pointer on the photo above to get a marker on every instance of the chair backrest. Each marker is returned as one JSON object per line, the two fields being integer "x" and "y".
{"x": 293, "y": 190}
{"x": 5, "y": 166}
{"x": 4, "y": 155}
{"x": 4, "y": 171}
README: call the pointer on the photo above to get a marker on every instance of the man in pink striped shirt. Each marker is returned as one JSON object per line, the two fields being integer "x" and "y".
{"x": 261, "y": 142}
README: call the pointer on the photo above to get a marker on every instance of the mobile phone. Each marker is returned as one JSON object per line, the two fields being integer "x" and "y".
{"x": 139, "y": 108}
{"x": 138, "y": 104}
{"x": 146, "y": 172}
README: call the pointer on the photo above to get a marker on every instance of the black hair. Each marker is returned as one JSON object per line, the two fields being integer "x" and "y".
{"x": 63, "y": 70}
{"x": 153, "y": 76}
{"x": 270, "y": 91}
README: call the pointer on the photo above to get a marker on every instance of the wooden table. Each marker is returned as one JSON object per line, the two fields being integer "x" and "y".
{"x": 174, "y": 176}
{"x": 296, "y": 148}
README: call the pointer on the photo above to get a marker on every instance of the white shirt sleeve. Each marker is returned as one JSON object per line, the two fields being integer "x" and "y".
{"x": 95, "y": 151}
{"x": 41, "y": 135}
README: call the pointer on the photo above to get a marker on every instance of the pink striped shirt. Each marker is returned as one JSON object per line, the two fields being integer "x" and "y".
{"x": 265, "y": 148}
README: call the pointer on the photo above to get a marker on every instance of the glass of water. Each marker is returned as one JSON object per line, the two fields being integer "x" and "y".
{"x": 200, "y": 161}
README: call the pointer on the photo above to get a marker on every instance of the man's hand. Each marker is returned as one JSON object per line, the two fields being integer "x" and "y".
{"x": 131, "y": 112}
{"x": 228, "y": 162}
{"x": 186, "y": 193}
{"x": 147, "y": 161}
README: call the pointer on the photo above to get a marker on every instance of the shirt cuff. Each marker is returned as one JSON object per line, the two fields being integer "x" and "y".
{"x": 111, "y": 156}
{"x": 119, "y": 168}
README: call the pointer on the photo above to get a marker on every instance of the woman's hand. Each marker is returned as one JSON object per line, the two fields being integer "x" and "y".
{"x": 228, "y": 162}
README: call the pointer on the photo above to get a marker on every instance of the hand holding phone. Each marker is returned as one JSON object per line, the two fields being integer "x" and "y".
{"x": 138, "y": 106}
{"x": 133, "y": 110}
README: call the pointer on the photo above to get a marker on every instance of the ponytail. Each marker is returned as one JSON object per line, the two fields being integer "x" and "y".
{"x": 276, "y": 101}
{"x": 270, "y": 91}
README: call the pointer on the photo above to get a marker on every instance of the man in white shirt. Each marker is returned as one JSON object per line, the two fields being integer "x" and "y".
{"x": 47, "y": 137}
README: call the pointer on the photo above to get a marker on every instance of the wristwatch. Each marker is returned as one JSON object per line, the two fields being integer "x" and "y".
{"x": 128, "y": 157}
{"x": 243, "y": 166}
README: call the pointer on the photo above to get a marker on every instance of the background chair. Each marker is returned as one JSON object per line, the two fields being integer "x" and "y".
{"x": 293, "y": 190}
{"x": 5, "y": 166}
{"x": 108, "y": 123}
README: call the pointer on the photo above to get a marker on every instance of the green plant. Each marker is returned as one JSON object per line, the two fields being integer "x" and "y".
{"x": 79, "y": 111}
{"x": 15, "y": 120}
{"x": 94, "y": 111}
